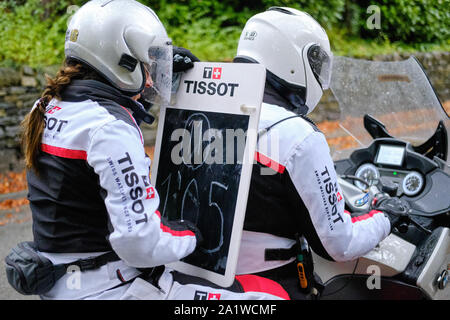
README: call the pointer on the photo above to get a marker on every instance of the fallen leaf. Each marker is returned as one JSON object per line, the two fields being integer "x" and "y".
{"x": 13, "y": 204}
{"x": 13, "y": 182}
{"x": 446, "y": 106}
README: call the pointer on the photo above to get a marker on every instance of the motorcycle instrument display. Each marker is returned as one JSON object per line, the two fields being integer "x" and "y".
{"x": 390, "y": 155}
{"x": 412, "y": 183}
{"x": 369, "y": 173}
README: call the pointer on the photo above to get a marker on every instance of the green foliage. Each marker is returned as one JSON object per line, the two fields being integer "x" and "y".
{"x": 409, "y": 21}
{"x": 326, "y": 12}
{"x": 345, "y": 44}
{"x": 417, "y": 20}
{"x": 210, "y": 29}
{"x": 32, "y": 31}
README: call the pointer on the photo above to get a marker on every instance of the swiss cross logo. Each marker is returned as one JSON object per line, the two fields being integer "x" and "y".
{"x": 217, "y": 73}
{"x": 54, "y": 109}
{"x": 150, "y": 192}
{"x": 339, "y": 196}
{"x": 213, "y": 296}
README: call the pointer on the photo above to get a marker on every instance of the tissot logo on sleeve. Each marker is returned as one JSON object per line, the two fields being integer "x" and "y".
{"x": 54, "y": 109}
{"x": 203, "y": 295}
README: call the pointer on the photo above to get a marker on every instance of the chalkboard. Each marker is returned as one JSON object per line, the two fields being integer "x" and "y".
{"x": 203, "y": 161}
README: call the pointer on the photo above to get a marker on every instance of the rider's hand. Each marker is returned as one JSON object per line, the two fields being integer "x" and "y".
{"x": 183, "y": 59}
{"x": 192, "y": 227}
{"x": 394, "y": 209}
{"x": 145, "y": 103}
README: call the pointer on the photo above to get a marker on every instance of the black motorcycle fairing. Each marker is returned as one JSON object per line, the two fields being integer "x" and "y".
{"x": 421, "y": 255}
{"x": 433, "y": 200}
{"x": 375, "y": 128}
{"x": 355, "y": 287}
{"x": 436, "y": 145}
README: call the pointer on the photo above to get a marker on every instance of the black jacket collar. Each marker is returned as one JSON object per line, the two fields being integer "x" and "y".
{"x": 80, "y": 90}
{"x": 271, "y": 96}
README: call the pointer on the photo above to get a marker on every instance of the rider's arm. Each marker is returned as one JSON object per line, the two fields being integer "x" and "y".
{"x": 335, "y": 233}
{"x": 139, "y": 236}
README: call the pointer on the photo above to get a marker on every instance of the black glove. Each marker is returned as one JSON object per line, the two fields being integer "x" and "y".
{"x": 140, "y": 111}
{"x": 394, "y": 209}
{"x": 183, "y": 59}
{"x": 145, "y": 103}
{"x": 192, "y": 227}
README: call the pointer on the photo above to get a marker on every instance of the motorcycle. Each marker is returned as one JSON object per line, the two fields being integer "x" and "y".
{"x": 397, "y": 132}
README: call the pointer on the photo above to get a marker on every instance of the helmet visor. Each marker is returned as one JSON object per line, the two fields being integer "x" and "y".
{"x": 159, "y": 75}
{"x": 321, "y": 65}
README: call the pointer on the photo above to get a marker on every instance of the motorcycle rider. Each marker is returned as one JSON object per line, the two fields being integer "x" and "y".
{"x": 88, "y": 174}
{"x": 294, "y": 187}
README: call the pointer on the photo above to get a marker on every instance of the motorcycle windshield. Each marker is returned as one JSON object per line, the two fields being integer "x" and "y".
{"x": 398, "y": 94}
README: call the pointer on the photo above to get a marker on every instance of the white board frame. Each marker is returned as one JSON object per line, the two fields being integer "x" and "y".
{"x": 246, "y": 100}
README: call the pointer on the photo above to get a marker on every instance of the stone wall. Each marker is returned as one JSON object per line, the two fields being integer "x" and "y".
{"x": 19, "y": 89}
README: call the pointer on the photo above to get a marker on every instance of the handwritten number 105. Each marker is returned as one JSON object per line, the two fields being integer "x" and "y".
{"x": 194, "y": 196}
{"x": 214, "y": 204}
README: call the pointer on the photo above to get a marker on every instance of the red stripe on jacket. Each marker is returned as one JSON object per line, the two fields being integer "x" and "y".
{"x": 364, "y": 216}
{"x": 63, "y": 152}
{"x": 134, "y": 121}
{"x": 176, "y": 233}
{"x": 264, "y": 160}
{"x": 252, "y": 283}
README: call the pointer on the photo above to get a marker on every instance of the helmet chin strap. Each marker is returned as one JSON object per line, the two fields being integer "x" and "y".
{"x": 295, "y": 95}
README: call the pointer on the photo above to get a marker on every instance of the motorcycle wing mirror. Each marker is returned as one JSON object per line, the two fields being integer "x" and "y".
{"x": 375, "y": 127}
{"x": 436, "y": 145}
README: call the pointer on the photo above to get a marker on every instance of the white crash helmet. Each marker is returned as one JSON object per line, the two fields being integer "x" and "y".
{"x": 295, "y": 50}
{"x": 122, "y": 40}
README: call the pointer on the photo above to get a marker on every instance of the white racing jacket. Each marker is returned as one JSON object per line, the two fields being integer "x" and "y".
{"x": 293, "y": 190}
{"x": 93, "y": 193}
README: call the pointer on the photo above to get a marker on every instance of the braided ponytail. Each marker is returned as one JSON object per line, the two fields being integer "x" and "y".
{"x": 33, "y": 123}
